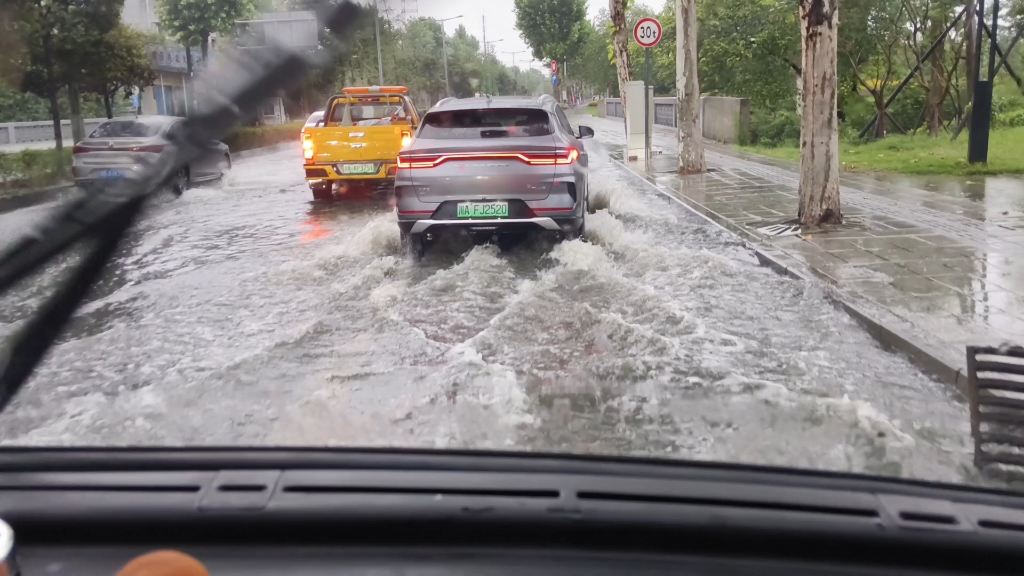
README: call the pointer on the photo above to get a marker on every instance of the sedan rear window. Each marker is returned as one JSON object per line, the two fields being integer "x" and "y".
{"x": 488, "y": 123}
{"x": 126, "y": 129}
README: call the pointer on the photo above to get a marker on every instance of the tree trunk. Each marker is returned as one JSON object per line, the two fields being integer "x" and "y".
{"x": 58, "y": 134}
{"x": 970, "y": 54}
{"x": 819, "y": 134}
{"x": 620, "y": 43}
{"x": 106, "y": 104}
{"x": 187, "y": 87}
{"x": 800, "y": 95}
{"x": 77, "y": 124}
{"x": 205, "y": 47}
{"x": 691, "y": 140}
{"x": 937, "y": 87}
{"x": 880, "y": 127}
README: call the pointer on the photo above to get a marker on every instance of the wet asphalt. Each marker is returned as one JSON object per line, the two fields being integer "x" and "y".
{"x": 244, "y": 313}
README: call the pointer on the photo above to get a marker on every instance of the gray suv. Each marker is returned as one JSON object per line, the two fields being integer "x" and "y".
{"x": 491, "y": 166}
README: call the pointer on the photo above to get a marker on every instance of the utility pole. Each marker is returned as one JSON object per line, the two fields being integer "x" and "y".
{"x": 376, "y": 25}
{"x": 483, "y": 23}
{"x": 444, "y": 50}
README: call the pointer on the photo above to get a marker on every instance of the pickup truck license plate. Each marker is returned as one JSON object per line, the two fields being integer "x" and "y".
{"x": 358, "y": 169}
{"x": 482, "y": 210}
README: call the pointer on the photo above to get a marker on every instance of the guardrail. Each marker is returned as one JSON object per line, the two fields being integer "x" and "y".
{"x": 41, "y": 131}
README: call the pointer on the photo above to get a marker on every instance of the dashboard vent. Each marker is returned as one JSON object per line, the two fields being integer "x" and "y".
{"x": 483, "y": 492}
{"x": 729, "y": 502}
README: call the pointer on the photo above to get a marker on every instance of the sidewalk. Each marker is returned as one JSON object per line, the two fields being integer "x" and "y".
{"x": 927, "y": 274}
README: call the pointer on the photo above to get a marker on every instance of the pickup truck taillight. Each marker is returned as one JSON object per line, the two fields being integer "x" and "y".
{"x": 406, "y": 138}
{"x": 307, "y": 148}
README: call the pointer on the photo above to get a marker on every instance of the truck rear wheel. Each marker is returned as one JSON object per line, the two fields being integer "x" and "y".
{"x": 322, "y": 191}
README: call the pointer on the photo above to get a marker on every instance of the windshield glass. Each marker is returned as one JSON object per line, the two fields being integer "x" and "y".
{"x": 503, "y": 123}
{"x": 379, "y": 111}
{"x": 482, "y": 248}
{"x": 127, "y": 129}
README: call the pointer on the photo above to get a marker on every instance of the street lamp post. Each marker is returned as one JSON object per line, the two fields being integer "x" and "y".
{"x": 487, "y": 50}
{"x": 444, "y": 51}
{"x": 376, "y": 25}
{"x": 515, "y": 70}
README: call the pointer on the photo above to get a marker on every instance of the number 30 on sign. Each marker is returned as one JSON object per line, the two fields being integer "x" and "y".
{"x": 647, "y": 32}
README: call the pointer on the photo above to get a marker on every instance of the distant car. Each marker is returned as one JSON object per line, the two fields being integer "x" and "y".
{"x": 314, "y": 120}
{"x": 120, "y": 149}
{"x": 492, "y": 166}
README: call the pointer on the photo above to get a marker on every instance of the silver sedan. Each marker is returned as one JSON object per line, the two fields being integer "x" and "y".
{"x": 121, "y": 148}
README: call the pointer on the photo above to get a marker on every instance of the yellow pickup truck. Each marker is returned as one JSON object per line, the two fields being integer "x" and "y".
{"x": 356, "y": 144}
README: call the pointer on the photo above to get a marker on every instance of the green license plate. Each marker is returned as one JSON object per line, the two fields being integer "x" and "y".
{"x": 483, "y": 210}
{"x": 358, "y": 169}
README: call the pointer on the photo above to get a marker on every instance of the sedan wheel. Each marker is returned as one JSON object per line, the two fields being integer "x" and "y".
{"x": 181, "y": 181}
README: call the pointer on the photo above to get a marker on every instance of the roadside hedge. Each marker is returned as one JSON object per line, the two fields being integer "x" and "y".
{"x": 250, "y": 137}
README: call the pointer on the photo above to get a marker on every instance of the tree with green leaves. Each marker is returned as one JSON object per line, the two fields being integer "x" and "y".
{"x": 554, "y": 29}
{"x": 192, "y": 22}
{"x": 126, "y": 65}
{"x": 58, "y": 48}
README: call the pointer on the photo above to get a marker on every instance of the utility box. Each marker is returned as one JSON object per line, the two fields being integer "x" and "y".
{"x": 633, "y": 109}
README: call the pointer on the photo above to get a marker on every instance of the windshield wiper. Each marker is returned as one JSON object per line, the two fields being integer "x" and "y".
{"x": 105, "y": 216}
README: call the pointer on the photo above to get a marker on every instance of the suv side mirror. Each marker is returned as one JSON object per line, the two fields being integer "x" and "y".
{"x": 586, "y": 132}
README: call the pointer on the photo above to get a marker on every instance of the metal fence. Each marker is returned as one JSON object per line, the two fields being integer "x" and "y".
{"x": 42, "y": 131}
{"x": 664, "y": 110}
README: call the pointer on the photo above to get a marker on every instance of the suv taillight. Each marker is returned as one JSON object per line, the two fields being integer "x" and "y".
{"x": 564, "y": 157}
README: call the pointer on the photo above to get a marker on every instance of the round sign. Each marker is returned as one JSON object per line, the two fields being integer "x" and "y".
{"x": 554, "y": 67}
{"x": 647, "y": 32}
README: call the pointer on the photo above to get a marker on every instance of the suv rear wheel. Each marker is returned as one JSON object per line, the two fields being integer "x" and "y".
{"x": 412, "y": 245}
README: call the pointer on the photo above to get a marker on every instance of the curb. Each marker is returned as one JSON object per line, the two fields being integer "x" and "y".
{"x": 890, "y": 337}
{"x": 28, "y": 198}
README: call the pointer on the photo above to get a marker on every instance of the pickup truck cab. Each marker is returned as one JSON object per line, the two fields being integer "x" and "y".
{"x": 357, "y": 142}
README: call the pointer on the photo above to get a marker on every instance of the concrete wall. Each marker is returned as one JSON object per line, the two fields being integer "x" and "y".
{"x": 726, "y": 118}
{"x": 723, "y": 119}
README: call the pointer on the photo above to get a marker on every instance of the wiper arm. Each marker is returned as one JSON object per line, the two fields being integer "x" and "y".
{"x": 106, "y": 216}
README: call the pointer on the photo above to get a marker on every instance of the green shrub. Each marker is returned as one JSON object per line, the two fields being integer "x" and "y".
{"x": 250, "y": 137}
{"x": 772, "y": 129}
{"x": 592, "y": 104}
{"x": 1009, "y": 119}
{"x": 33, "y": 168}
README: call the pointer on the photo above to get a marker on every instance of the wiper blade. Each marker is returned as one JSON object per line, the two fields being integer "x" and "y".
{"x": 105, "y": 217}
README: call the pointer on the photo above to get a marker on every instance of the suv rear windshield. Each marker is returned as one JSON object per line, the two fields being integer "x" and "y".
{"x": 126, "y": 129}
{"x": 489, "y": 123}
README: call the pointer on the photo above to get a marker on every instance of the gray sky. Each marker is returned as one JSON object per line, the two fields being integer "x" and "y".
{"x": 500, "y": 18}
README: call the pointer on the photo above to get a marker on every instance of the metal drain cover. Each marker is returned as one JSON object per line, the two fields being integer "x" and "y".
{"x": 779, "y": 230}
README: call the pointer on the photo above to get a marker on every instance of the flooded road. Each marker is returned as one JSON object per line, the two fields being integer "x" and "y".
{"x": 243, "y": 313}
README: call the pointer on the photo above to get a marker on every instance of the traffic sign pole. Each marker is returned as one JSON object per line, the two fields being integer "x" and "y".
{"x": 647, "y": 34}
{"x": 647, "y": 104}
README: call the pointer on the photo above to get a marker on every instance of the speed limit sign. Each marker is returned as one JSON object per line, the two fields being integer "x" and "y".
{"x": 647, "y": 32}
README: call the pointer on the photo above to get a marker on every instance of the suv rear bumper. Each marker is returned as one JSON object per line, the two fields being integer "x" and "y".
{"x": 568, "y": 224}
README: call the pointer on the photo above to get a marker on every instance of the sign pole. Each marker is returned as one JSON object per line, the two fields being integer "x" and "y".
{"x": 647, "y": 34}
{"x": 647, "y": 104}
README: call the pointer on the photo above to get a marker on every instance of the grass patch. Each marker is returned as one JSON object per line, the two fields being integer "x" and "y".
{"x": 30, "y": 169}
{"x": 921, "y": 154}
{"x": 592, "y": 110}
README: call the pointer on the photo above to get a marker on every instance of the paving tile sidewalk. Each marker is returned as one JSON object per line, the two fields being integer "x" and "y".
{"x": 935, "y": 271}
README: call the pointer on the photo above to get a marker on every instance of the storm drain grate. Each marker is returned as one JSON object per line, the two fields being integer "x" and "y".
{"x": 995, "y": 390}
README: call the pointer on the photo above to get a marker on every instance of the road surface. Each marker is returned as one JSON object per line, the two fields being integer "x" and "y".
{"x": 243, "y": 313}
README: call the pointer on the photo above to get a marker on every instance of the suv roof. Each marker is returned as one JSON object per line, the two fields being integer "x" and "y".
{"x": 477, "y": 102}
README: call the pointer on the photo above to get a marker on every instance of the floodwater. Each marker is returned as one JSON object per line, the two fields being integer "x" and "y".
{"x": 245, "y": 314}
